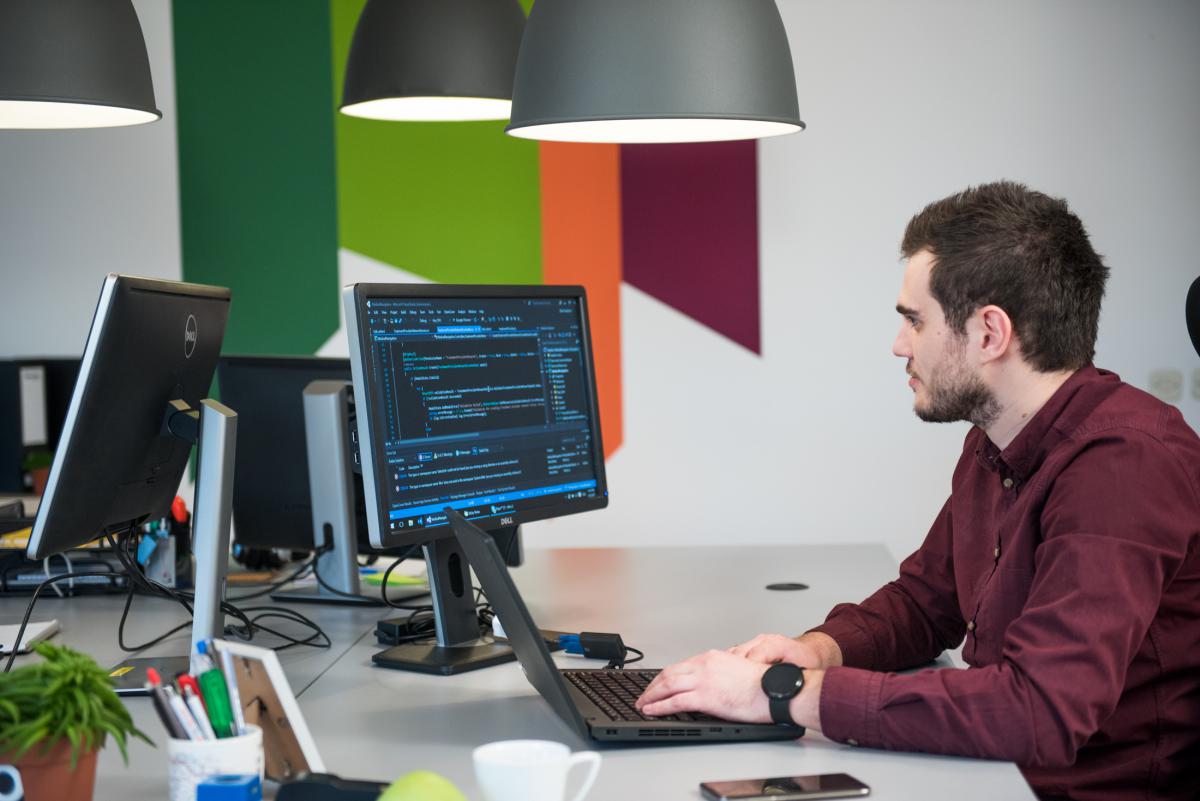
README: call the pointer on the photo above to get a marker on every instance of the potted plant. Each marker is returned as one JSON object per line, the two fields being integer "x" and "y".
{"x": 36, "y": 464}
{"x": 55, "y": 716}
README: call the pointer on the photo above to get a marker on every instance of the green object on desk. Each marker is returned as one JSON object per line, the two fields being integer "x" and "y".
{"x": 66, "y": 697}
{"x": 422, "y": 785}
{"x": 376, "y": 580}
{"x": 216, "y": 701}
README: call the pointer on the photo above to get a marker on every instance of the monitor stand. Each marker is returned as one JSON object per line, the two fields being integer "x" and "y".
{"x": 458, "y": 647}
{"x": 214, "y": 428}
{"x": 330, "y": 450}
{"x": 394, "y": 630}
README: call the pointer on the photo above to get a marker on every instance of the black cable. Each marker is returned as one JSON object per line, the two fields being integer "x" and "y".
{"x": 620, "y": 664}
{"x": 285, "y": 614}
{"x": 33, "y": 600}
{"x": 122, "y": 547}
{"x": 155, "y": 641}
{"x": 186, "y": 598}
{"x": 270, "y": 587}
{"x": 328, "y": 588}
{"x": 387, "y": 574}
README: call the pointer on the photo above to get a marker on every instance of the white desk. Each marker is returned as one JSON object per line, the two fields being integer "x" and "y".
{"x": 670, "y": 603}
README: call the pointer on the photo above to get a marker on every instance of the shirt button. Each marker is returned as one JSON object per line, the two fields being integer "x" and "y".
{"x": 1008, "y": 482}
{"x": 852, "y": 741}
{"x": 971, "y": 626}
{"x": 996, "y": 553}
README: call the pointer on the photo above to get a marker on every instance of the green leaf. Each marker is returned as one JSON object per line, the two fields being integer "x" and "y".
{"x": 65, "y": 697}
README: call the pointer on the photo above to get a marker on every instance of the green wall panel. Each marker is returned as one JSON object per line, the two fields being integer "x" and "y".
{"x": 451, "y": 202}
{"x": 258, "y": 201}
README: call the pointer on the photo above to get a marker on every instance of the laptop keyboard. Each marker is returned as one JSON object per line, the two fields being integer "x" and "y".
{"x": 614, "y": 691}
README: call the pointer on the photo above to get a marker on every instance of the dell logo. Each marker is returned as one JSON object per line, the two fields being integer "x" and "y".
{"x": 506, "y": 521}
{"x": 191, "y": 333}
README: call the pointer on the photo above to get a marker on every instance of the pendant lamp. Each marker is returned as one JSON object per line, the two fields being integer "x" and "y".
{"x": 654, "y": 71}
{"x": 73, "y": 64}
{"x": 433, "y": 60}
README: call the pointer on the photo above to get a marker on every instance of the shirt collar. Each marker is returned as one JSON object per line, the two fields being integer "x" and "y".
{"x": 1049, "y": 425}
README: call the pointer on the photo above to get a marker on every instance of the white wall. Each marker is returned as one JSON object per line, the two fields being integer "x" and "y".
{"x": 76, "y": 205}
{"x": 815, "y": 440}
{"x": 906, "y": 102}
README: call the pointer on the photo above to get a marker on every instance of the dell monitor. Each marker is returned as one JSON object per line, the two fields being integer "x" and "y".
{"x": 477, "y": 398}
{"x": 136, "y": 409}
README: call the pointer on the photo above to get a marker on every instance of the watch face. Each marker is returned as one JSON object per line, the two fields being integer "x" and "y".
{"x": 783, "y": 680}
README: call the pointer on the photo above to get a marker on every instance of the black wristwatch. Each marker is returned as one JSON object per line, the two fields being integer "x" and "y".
{"x": 782, "y": 683}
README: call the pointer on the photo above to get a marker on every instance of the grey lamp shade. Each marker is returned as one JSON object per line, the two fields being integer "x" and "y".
{"x": 433, "y": 60}
{"x": 73, "y": 64}
{"x": 654, "y": 71}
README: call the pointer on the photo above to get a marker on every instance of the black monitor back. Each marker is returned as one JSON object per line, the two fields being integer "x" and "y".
{"x": 272, "y": 505}
{"x": 150, "y": 342}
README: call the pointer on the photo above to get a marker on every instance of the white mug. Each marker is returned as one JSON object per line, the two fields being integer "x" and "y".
{"x": 530, "y": 770}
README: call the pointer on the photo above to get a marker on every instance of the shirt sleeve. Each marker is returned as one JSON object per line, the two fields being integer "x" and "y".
{"x": 909, "y": 621}
{"x": 1116, "y": 528}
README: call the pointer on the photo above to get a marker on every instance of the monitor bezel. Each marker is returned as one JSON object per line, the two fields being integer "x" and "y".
{"x": 355, "y": 299}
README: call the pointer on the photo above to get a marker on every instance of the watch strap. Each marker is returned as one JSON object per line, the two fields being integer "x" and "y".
{"x": 781, "y": 711}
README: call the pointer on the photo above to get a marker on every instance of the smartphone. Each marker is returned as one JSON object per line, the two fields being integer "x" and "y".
{"x": 786, "y": 788}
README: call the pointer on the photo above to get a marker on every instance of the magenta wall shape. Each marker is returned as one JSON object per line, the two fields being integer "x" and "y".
{"x": 689, "y": 216}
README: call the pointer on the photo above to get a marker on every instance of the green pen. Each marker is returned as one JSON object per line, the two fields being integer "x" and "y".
{"x": 216, "y": 698}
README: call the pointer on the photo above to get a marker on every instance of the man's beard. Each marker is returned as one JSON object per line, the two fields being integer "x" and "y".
{"x": 955, "y": 393}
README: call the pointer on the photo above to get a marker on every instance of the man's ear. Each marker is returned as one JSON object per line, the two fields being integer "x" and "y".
{"x": 996, "y": 333}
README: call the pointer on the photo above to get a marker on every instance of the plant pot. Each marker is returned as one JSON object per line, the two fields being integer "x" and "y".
{"x": 47, "y": 775}
{"x": 40, "y": 476}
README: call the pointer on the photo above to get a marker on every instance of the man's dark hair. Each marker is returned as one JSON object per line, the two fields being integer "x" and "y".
{"x": 1023, "y": 251}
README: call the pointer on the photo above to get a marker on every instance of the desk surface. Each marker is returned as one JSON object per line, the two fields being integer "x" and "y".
{"x": 669, "y": 602}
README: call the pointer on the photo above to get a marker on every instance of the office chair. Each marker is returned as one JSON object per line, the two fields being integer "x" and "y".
{"x": 1193, "y": 314}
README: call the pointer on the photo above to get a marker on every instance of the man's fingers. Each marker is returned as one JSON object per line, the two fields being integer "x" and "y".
{"x": 666, "y": 685}
{"x": 681, "y": 702}
{"x": 767, "y": 654}
{"x": 763, "y": 648}
{"x": 655, "y": 688}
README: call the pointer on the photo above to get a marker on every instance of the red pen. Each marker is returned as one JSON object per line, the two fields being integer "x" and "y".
{"x": 188, "y": 680}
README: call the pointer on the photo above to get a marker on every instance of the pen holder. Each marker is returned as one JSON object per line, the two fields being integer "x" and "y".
{"x": 190, "y": 762}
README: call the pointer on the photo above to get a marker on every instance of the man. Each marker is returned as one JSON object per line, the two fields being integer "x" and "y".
{"x": 1066, "y": 561}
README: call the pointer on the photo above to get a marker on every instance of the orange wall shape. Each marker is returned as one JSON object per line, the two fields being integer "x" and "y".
{"x": 581, "y": 244}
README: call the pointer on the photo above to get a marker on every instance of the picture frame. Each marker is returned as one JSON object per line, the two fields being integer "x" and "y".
{"x": 267, "y": 700}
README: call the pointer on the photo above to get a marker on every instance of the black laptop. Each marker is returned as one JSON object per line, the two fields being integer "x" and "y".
{"x": 596, "y": 704}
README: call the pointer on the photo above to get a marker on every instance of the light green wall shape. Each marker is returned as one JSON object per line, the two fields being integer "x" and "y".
{"x": 452, "y": 202}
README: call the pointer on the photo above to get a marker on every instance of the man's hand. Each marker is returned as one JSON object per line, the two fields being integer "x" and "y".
{"x": 812, "y": 650}
{"x": 716, "y": 683}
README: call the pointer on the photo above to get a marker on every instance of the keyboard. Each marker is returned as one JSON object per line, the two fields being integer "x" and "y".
{"x": 614, "y": 692}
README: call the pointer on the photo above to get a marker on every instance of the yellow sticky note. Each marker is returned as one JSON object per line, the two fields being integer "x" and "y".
{"x": 394, "y": 580}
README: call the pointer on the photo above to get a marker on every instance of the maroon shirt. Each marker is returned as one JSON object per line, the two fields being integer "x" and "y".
{"x": 1070, "y": 563}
